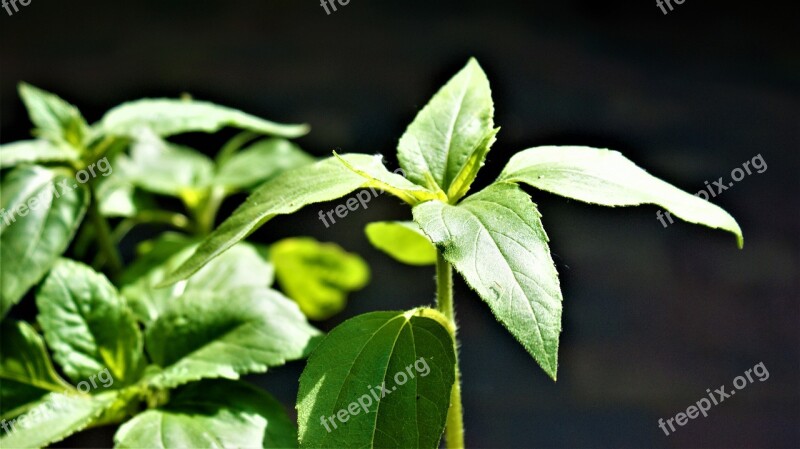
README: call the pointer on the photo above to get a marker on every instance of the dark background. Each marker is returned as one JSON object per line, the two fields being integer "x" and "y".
{"x": 652, "y": 316}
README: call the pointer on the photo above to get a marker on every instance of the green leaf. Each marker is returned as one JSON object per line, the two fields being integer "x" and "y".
{"x": 55, "y": 119}
{"x": 449, "y": 129}
{"x": 40, "y": 211}
{"x": 168, "y": 117}
{"x": 495, "y": 239}
{"x": 242, "y": 266}
{"x": 88, "y": 325}
{"x": 150, "y": 254}
{"x": 211, "y": 413}
{"x": 608, "y": 178}
{"x": 259, "y": 163}
{"x": 403, "y": 241}
{"x": 317, "y": 275}
{"x": 411, "y": 355}
{"x": 164, "y": 168}
{"x": 54, "y": 418}
{"x": 290, "y": 191}
{"x": 380, "y": 177}
{"x": 32, "y": 151}
{"x": 116, "y": 193}
{"x": 211, "y": 335}
{"x": 26, "y": 372}
{"x": 463, "y": 181}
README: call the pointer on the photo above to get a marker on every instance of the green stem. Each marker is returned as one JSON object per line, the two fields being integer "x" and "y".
{"x": 206, "y": 213}
{"x": 103, "y": 234}
{"x": 454, "y": 430}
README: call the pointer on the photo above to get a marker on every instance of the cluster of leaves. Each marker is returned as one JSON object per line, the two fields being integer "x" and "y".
{"x": 494, "y": 238}
{"x": 175, "y": 355}
{"x": 201, "y": 321}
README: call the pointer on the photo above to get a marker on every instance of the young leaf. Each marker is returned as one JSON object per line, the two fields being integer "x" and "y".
{"x": 380, "y": 177}
{"x": 322, "y": 181}
{"x": 259, "y": 163}
{"x": 26, "y": 372}
{"x": 211, "y": 335}
{"x": 54, "y": 418}
{"x": 165, "y": 168}
{"x": 317, "y": 275}
{"x": 495, "y": 239}
{"x": 211, "y": 413}
{"x": 402, "y": 240}
{"x": 55, "y": 119}
{"x": 88, "y": 325}
{"x": 167, "y": 117}
{"x": 381, "y": 379}
{"x": 40, "y": 210}
{"x": 463, "y": 181}
{"x": 242, "y": 266}
{"x": 608, "y": 178}
{"x": 450, "y": 128}
{"x": 33, "y": 151}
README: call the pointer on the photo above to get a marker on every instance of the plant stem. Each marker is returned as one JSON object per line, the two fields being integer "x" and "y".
{"x": 454, "y": 430}
{"x": 206, "y": 214}
{"x": 103, "y": 234}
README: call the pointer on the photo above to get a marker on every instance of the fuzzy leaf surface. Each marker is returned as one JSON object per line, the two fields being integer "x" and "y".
{"x": 495, "y": 239}
{"x": 450, "y": 128}
{"x": 608, "y": 178}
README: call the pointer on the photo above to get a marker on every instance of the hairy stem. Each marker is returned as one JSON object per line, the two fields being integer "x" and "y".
{"x": 454, "y": 430}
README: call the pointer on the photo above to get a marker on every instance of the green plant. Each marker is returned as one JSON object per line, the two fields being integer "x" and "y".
{"x": 494, "y": 238}
{"x": 132, "y": 353}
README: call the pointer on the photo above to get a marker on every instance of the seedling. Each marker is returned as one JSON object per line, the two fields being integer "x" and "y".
{"x": 493, "y": 238}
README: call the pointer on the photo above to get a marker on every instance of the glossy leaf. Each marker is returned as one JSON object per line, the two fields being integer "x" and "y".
{"x": 54, "y": 418}
{"x": 318, "y": 276}
{"x": 608, "y": 178}
{"x": 495, "y": 239}
{"x": 259, "y": 163}
{"x": 449, "y": 129}
{"x": 35, "y": 151}
{"x": 206, "y": 335}
{"x": 290, "y": 191}
{"x": 167, "y": 117}
{"x": 55, "y": 119}
{"x": 88, "y": 325}
{"x": 403, "y": 241}
{"x": 40, "y": 211}
{"x": 341, "y": 403}
{"x": 26, "y": 372}
{"x": 211, "y": 413}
